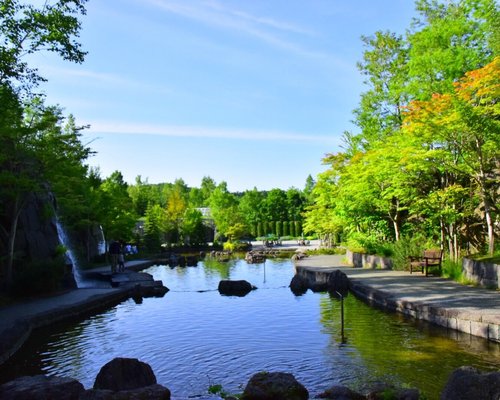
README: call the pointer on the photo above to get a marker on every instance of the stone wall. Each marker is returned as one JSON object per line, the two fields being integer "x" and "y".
{"x": 37, "y": 237}
{"x": 483, "y": 273}
{"x": 361, "y": 260}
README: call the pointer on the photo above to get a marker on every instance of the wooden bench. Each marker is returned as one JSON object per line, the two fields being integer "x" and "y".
{"x": 429, "y": 259}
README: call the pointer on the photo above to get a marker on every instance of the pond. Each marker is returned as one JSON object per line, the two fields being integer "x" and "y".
{"x": 193, "y": 337}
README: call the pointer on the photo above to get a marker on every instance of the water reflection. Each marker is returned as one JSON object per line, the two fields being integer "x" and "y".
{"x": 193, "y": 336}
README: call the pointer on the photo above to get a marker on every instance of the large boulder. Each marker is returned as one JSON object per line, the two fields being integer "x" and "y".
{"x": 467, "y": 383}
{"x": 394, "y": 393}
{"x": 124, "y": 374}
{"x": 235, "y": 288}
{"x": 340, "y": 393}
{"x": 152, "y": 392}
{"x": 274, "y": 386}
{"x": 338, "y": 282}
{"x": 41, "y": 387}
{"x": 299, "y": 285}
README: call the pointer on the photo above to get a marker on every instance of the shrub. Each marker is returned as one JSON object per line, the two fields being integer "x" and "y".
{"x": 236, "y": 246}
{"x": 327, "y": 251}
{"x": 38, "y": 277}
{"x": 406, "y": 247}
{"x": 453, "y": 270}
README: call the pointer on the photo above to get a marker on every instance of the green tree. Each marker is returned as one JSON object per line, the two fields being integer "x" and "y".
{"x": 295, "y": 203}
{"x": 117, "y": 215}
{"x": 208, "y": 185}
{"x": 224, "y": 209}
{"x": 192, "y": 228}
{"x": 141, "y": 194}
{"x": 384, "y": 67}
{"x": 275, "y": 207}
{"x": 466, "y": 126}
{"x": 447, "y": 40}
{"x": 250, "y": 207}
{"x": 176, "y": 208}
{"x": 155, "y": 226}
{"x": 26, "y": 29}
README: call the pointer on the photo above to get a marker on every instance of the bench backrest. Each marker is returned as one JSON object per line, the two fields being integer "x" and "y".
{"x": 437, "y": 254}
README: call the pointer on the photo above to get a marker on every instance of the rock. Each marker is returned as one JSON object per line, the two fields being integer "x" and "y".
{"x": 124, "y": 374}
{"x": 395, "y": 394}
{"x": 469, "y": 383}
{"x": 152, "y": 392}
{"x": 382, "y": 391}
{"x": 274, "y": 386}
{"x": 299, "y": 285}
{"x": 41, "y": 387}
{"x": 235, "y": 288}
{"x": 338, "y": 282}
{"x": 341, "y": 393}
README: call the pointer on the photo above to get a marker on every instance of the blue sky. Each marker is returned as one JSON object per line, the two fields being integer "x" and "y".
{"x": 251, "y": 92}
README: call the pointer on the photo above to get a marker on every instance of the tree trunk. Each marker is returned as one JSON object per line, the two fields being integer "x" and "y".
{"x": 486, "y": 201}
{"x": 16, "y": 211}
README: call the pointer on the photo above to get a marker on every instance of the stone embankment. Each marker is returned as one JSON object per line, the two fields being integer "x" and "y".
{"x": 473, "y": 310}
{"x": 19, "y": 320}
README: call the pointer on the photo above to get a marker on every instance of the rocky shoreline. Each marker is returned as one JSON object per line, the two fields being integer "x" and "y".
{"x": 131, "y": 379}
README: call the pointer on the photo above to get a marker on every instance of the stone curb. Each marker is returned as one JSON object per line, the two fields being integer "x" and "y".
{"x": 14, "y": 336}
{"x": 468, "y": 322}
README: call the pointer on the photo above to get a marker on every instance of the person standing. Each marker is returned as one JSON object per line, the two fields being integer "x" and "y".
{"x": 114, "y": 251}
{"x": 121, "y": 258}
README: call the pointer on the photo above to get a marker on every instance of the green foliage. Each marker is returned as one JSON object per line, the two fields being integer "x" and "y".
{"x": 424, "y": 160}
{"x": 217, "y": 389}
{"x": 453, "y": 270}
{"x": 327, "y": 251}
{"x": 27, "y": 29}
{"x": 406, "y": 247}
{"x": 238, "y": 246}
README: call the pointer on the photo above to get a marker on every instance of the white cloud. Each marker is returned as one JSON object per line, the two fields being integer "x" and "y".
{"x": 101, "y": 79}
{"x": 115, "y": 127}
{"x": 265, "y": 29}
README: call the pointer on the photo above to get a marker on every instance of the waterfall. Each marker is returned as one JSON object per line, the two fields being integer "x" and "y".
{"x": 64, "y": 240}
{"x": 101, "y": 245}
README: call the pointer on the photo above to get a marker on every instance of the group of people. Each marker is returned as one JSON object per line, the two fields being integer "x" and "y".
{"x": 117, "y": 251}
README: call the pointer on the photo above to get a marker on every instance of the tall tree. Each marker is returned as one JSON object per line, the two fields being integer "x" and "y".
{"x": 469, "y": 122}
{"x": 38, "y": 154}
{"x": 224, "y": 209}
{"x": 384, "y": 67}
{"x": 447, "y": 40}
{"x": 250, "y": 207}
{"x": 26, "y": 29}
{"x": 117, "y": 214}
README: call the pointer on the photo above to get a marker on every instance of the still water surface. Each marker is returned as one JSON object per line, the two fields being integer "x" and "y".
{"x": 194, "y": 337}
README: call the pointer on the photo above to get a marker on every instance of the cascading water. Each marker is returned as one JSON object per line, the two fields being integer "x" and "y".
{"x": 101, "y": 246}
{"x": 63, "y": 238}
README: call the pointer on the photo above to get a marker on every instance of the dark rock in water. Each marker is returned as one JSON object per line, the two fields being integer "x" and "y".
{"x": 124, "y": 374}
{"x": 384, "y": 391}
{"x": 235, "y": 288}
{"x": 152, "y": 392}
{"x": 274, "y": 386}
{"x": 41, "y": 387}
{"x": 191, "y": 261}
{"x": 299, "y": 285}
{"x": 338, "y": 282}
{"x": 341, "y": 393}
{"x": 469, "y": 383}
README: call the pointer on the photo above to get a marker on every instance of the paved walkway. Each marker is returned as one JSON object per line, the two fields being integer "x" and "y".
{"x": 444, "y": 302}
{"x": 17, "y": 321}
